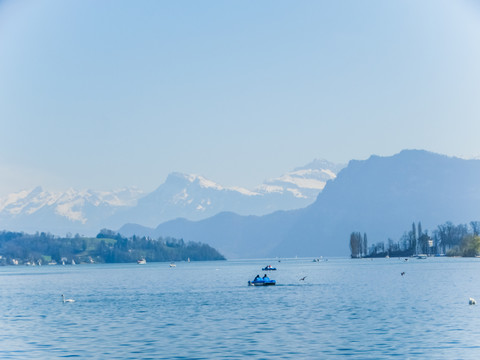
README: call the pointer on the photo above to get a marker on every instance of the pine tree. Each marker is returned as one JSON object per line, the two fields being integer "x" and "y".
{"x": 365, "y": 244}
{"x": 413, "y": 238}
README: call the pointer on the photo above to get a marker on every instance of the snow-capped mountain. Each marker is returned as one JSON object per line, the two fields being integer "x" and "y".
{"x": 182, "y": 195}
{"x": 304, "y": 182}
{"x": 60, "y": 212}
{"x": 194, "y": 197}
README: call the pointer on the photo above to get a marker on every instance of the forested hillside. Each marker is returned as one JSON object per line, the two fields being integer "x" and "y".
{"x": 107, "y": 247}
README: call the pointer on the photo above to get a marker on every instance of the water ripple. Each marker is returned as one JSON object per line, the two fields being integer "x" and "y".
{"x": 345, "y": 308}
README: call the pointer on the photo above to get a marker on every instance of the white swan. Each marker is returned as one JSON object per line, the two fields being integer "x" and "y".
{"x": 67, "y": 300}
{"x": 472, "y": 301}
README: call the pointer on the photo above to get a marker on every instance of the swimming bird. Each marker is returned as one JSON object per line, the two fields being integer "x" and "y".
{"x": 302, "y": 278}
{"x": 402, "y": 273}
{"x": 67, "y": 300}
{"x": 472, "y": 301}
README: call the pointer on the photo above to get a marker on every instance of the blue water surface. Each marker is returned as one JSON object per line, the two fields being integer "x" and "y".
{"x": 361, "y": 309}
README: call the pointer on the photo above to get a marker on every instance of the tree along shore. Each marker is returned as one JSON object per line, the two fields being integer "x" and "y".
{"x": 107, "y": 247}
{"x": 447, "y": 239}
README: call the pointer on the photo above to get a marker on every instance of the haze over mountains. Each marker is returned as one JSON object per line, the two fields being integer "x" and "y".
{"x": 182, "y": 195}
{"x": 193, "y": 197}
{"x": 381, "y": 196}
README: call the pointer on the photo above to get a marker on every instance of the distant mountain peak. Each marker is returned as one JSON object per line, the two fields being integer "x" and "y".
{"x": 177, "y": 177}
{"x": 203, "y": 182}
{"x": 322, "y": 164}
{"x": 305, "y": 181}
{"x": 191, "y": 196}
{"x": 69, "y": 204}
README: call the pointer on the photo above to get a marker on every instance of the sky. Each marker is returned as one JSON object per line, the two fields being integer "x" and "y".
{"x": 112, "y": 93}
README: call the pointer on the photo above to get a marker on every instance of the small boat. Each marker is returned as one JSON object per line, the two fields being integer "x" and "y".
{"x": 421, "y": 256}
{"x": 261, "y": 282}
{"x": 173, "y": 265}
{"x": 141, "y": 262}
{"x": 268, "y": 267}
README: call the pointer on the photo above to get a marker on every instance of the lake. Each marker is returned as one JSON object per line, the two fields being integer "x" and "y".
{"x": 361, "y": 309}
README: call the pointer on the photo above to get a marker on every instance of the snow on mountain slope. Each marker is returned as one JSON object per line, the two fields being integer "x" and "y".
{"x": 19, "y": 211}
{"x": 194, "y": 197}
{"x": 303, "y": 182}
{"x": 188, "y": 196}
{"x": 31, "y": 201}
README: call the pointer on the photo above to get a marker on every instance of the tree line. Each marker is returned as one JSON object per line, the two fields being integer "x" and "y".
{"x": 107, "y": 247}
{"x": 447, "y": 239}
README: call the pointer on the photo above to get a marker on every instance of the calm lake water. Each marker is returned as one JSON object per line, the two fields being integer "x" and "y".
{"x": 344, "y": 308}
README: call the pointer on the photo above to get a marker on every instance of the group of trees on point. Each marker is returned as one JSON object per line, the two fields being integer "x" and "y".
{"x": 447, "y": 238}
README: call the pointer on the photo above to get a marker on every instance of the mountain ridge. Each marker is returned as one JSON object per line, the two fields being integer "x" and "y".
{"x": 381, "y": 196}
{"x": 181, "y": 195}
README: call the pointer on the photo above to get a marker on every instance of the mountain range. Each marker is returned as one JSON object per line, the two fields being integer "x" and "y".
{"x": 380, "y": 196}
{"x": 309, "y": 211}
{"x": 186, "y": 196}
{"x": 63, "y": 212}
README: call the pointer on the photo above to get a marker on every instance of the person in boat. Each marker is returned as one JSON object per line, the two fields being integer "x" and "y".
{"x": 265, "y": 277}
{"x": 256, "y": 278}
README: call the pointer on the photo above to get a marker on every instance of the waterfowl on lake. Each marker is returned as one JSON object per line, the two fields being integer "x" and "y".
{"x": 67, "y": 300}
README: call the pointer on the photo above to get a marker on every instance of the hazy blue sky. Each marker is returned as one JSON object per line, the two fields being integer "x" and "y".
{"x": 104, "y": 94}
